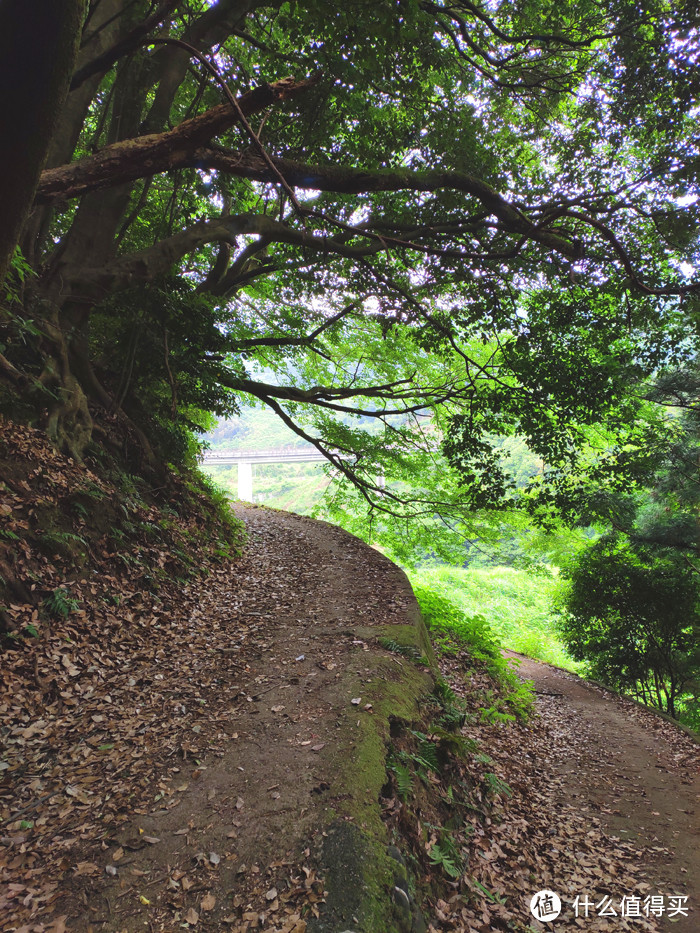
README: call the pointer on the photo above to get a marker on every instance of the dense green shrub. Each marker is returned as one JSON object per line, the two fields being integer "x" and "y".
{"x": 632, "y": 610}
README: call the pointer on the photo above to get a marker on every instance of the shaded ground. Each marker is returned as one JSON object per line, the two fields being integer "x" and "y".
{"x": 297, "y": 610}
{"x": 219, "y": 767}
{"x": 235, "y": 765}
{"x": 632, "y": 771}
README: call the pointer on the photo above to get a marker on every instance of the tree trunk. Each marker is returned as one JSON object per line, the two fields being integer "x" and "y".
{"x": 38, "y": 47}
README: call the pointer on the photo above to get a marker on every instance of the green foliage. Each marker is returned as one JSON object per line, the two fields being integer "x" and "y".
{"x": 404, "y": 778}
{"x": 427, "y": 755}
{"x": 19, "y": 272}
{"x": 496, "y": 785}
{"x": 519, "y": 605}
{"x": 445, "y": 855}
{"x": 165, "y": 348}
{"x": 631, "y": 606}
{"x": 408, "y": 651}
{"x": 60, "y": 604}
{"x": 443, "y": 617}
{"x": 632, "y": 611}
{"x": 494, "y": 897}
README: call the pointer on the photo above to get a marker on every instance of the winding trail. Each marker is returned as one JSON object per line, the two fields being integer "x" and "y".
{"x": 238, "y": 845}
{"x": 637, "y": 773}
{"x": 257, "y": 760}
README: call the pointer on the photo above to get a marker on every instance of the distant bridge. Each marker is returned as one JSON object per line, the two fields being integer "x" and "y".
{"x": 246, "y": 458}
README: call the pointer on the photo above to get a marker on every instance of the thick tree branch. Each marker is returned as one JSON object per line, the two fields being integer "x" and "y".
{"x": 143, "y": 156}
{"x": 149, "y": 155}
{"x": 146, "y": 264}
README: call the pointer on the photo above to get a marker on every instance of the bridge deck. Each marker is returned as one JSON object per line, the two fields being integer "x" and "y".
{"x": 269, "y": 455}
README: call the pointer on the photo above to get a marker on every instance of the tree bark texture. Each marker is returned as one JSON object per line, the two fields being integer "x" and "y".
{"x": 38, "y": 47}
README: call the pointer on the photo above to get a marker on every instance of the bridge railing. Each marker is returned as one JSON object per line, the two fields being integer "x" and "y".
{"x": 289, "y": 451}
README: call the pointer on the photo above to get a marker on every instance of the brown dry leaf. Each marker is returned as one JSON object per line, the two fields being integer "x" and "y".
{"x": 208, "y": 902}
{"x": 58, "y": 925}
{"x": 294, "y": 925}
{"x": 192, "y": 917}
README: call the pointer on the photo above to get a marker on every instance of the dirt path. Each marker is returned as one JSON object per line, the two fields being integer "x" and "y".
{"x": 228, "y": 775}
{"x": 227, "y": 848}
{"x": 635, "y": 772}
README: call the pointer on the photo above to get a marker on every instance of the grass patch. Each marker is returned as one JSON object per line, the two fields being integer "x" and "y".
{"x": 516, "y": 604}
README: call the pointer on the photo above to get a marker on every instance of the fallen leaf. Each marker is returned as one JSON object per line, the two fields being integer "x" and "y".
{"x": 192, "y": 917}
{"x": 58, "y": 926}
{"x": 208, "y": 902}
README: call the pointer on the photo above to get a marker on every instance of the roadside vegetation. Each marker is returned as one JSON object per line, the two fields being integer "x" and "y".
{"x": 518, "y": 604}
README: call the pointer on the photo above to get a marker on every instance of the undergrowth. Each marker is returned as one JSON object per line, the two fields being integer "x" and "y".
{"x": 452, "y": 630}
{"x": 75, "y": 534}
{"x": 518, "y": 604}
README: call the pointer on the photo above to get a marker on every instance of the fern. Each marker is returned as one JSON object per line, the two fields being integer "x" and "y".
{"x": 60, "y": 604}
{"x": 444, "y": 855}
{"x": 404, "y": 779}
{"x": 408, "y": 651}
{"x": 444, "y": 694}
{"x": 494, "y": 898}
{"x": 495, "y": 785}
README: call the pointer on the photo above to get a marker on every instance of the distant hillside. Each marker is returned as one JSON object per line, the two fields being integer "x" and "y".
{"x": 295, "y": 487}
{"x": 254, "y": 429}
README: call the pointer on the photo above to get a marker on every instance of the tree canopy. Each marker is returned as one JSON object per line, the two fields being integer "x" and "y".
{"x": 409, "y": 228}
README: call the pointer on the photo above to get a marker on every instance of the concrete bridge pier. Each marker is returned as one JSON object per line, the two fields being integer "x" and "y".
{"x": 245, "y": 480}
